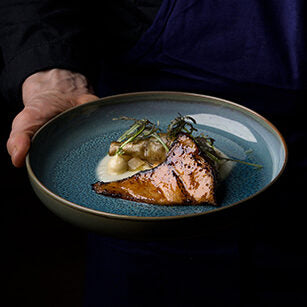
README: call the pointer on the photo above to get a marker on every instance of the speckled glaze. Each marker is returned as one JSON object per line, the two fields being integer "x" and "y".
{"x": 65, "y": 152}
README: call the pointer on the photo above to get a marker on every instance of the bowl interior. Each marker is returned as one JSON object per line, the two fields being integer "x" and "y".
{"x": 65, "y": 152}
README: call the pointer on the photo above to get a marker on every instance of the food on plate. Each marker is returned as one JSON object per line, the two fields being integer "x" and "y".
{"x": 149, "y": 150}
{"x": 185, "y": 177}
{"x": 163, "y": 168}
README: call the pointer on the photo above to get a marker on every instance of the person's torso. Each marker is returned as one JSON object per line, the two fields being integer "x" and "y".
{"x": 212, "y": 47}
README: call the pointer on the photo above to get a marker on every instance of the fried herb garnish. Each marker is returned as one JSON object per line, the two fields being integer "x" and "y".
{"x": 181, "y": 124}
{"x": 140, "y": 129}
{"x": 143, "y": 128}
{"x": 206, "y": 145}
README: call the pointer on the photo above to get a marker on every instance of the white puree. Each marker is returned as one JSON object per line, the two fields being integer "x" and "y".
{"x": 225, "y": 166}
{"x": 103, "y": 174}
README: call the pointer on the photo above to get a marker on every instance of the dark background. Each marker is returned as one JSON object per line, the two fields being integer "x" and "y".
{"x": 45, "y": 259}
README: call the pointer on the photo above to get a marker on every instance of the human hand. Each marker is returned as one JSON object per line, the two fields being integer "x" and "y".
{"x": 45, "y": 94}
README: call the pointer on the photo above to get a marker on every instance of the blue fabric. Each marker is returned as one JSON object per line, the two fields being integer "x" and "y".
{"x": 253, "y": 52}
{"x": 218, "y": 46}
{"x": 261, "y": 42}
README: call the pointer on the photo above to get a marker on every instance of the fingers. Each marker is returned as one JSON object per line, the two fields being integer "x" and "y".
{"x": 18, "y": 146}
{"x": 25, "y": 124}
{"x": 85, "y": 98}
{"x": 31, "y": 118}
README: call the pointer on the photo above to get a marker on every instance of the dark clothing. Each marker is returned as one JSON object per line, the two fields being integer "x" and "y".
{"x": 75, "y": 35}
{"x": 253, "y": 52}
{"x": 243, "y": 51}
{"x": 239, "y": 50}
{"x": 249, "y": 42}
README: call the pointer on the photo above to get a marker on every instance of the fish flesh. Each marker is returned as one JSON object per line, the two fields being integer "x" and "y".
{"x": 186, "y": 177}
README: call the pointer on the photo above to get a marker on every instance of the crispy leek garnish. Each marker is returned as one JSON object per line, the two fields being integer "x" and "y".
{"x": 143, "y": 128}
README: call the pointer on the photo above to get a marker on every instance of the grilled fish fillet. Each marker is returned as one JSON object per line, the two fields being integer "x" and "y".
{"x": 185, "y": 177}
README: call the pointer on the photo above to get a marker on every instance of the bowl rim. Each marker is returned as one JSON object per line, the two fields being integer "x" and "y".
{"x": 103, "y": 214}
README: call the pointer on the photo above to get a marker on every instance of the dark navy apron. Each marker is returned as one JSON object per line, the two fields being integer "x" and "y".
{"x": 247, "y": 51}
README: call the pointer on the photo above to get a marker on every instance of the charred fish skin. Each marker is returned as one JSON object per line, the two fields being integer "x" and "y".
{"x": 186, "y": 177}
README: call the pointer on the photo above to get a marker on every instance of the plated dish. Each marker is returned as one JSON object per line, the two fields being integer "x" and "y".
{"x": 66, "y": 152}
{"x": 175, "y": 167}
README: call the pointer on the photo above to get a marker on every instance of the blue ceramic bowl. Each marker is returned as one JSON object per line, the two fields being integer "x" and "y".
{"x": 65, "y": 152}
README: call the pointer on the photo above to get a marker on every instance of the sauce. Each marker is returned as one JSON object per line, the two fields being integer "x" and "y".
{"x": 225, "y": 166}
{"x": 104, "y": 175}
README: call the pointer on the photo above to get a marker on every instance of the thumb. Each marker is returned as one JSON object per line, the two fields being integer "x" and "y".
{"x": 18, "y": 146}
{"x": 85, "y": 98}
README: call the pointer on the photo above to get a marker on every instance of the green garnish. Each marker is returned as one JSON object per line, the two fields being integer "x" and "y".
{"x": 156, "y": 136}
{"x": 143, "y": 128}
{"x": 206, "y": 144}
{"x": 243, "y": 162}
{"x": 181, "y": 124}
